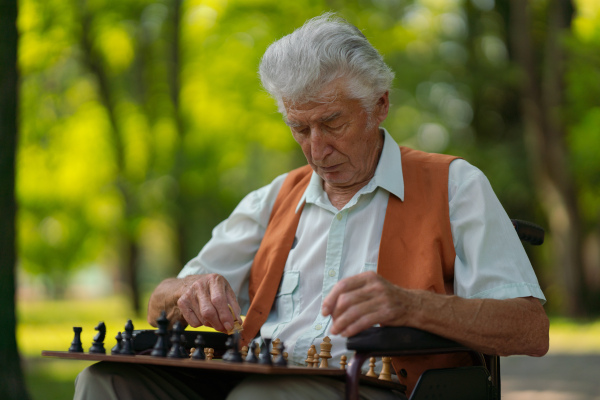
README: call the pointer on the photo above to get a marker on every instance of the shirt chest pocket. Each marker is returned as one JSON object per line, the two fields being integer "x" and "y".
{"x": 286, "y": 298}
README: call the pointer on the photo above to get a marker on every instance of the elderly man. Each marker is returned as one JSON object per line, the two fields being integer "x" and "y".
{"x": 367, "y": 233}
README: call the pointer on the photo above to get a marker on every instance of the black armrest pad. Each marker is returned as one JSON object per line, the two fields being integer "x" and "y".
{"x": 403, "y": 340}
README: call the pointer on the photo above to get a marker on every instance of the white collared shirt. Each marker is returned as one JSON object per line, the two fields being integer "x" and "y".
{"x": 332, "y": 244}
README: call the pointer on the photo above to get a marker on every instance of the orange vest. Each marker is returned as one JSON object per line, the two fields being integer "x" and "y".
{"x": 416, "y": 249}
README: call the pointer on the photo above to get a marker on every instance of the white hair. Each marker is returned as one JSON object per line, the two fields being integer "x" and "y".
{"x": 297, "y": 67}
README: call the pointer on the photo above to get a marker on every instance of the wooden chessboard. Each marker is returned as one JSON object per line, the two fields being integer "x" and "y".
{"x": 220, "y": 365}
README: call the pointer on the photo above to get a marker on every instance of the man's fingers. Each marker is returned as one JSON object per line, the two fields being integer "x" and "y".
{"x": 346, "y": 285}
{"x": 206, "y": 302}
{"x": 186, "y": 304}
{"x": 210, "y": 308}
{"x": 356, "y": 318}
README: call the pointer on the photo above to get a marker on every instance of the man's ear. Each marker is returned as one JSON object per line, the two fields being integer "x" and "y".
{"x": 382, "y": 107}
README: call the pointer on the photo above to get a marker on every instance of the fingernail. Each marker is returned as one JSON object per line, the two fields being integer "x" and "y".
{"x": 325, "y": 311}
{"x": 228, "y": 326}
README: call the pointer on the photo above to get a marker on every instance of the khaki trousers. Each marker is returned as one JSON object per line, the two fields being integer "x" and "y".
{"x": 118, "y": 381}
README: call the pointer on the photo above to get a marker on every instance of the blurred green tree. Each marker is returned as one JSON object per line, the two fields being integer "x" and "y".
{"x": 144, "y": 122}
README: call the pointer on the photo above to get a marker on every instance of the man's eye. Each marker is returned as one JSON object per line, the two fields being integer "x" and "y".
{"x": 334, "y": 128}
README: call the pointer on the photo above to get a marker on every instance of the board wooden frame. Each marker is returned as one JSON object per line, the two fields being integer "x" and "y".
{"x": 220, "y": 365}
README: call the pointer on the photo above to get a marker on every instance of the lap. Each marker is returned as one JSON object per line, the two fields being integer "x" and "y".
{"x": 112, "y": 381}
{"x": 302, "y": 388}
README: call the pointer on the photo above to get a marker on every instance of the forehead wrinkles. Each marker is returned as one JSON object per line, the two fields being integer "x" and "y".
{"x": 313, "y": 114}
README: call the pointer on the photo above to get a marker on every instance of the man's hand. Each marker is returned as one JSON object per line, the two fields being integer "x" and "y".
{"x": 361, "y": 301}
{"x": 197, "y": 300}
{"x": 204, "y": 302}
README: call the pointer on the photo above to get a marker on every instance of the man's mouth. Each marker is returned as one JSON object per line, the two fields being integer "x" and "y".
{"x": 330, "y": 168}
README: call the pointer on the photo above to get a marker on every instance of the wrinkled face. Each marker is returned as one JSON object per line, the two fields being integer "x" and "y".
{"x": 341, "y": 142}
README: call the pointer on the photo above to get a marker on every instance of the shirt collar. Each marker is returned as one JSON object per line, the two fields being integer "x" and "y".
{"x": 388, "y": 175}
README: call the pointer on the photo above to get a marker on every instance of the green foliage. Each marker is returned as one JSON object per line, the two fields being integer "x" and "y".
{"x": 144, "y": 121}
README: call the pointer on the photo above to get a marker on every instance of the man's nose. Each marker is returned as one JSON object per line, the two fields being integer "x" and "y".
{"x": 319, "y": 144}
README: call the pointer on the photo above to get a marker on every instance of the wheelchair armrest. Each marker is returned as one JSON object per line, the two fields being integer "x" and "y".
{"x": 400, "y": 340}
{"x": 529, "y": 232}
{"x": 404, "y": 341}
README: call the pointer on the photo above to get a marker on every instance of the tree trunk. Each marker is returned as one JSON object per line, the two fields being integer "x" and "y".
{"x": 174, "y": 80}
{"x": 542, "y": 109}
{"x": 11, "y": 376}
{"x": 128, "y": 232}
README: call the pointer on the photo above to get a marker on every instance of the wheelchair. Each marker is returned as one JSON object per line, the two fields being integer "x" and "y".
{"x": 464, "y": 383}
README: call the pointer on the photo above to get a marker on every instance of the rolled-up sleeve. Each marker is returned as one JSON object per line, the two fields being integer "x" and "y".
{"x": 235, "y": 241}
{"x": 490, "y": 259}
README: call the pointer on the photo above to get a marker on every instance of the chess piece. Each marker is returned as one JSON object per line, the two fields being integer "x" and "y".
{"x": 234, "y": 355}
{"x": 198, "y": 353}
{"x": 280, "y": 360}
{"x": 251, "y": 357}
{"x": 117, "y": 348}
{"x": 210, "y": 353}
{"x": 275, "y": 348}
{"x": 127, "y": 342}
{"x": 229, "y": 347}
{"x": 244, "y": 352}
{"x": 160, "y": 347}
{"x": 237, "y": 327}
{"x": 76, "y": 346}
{"x": 309, "y": 357}
{"x": 371, "y": 372}
{"x": 182, "y": 342}
{"x": 98, "y": 343}
{"x": 315, "y": 356}
{"x": 265, "y": 355}
{"x": 176, "y": 348}
{"x": 343, "y": 362}
{"x": 386, "y": 369}
{"x": 325, "y": 352}
{"x": 285, "y": 355}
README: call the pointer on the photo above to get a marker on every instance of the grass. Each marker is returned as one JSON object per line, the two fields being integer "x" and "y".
{"x": 48, "y": 325}
{"x": 574, "y": 337}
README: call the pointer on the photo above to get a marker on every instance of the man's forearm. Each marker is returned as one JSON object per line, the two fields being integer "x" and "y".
{"x": 502, "y": 327}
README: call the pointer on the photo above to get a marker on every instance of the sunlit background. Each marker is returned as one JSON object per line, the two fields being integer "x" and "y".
{"x": 143, "y": 123}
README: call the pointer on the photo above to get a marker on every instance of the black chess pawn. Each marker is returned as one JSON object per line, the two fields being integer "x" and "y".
{"x": 251, "y": 357}
{"x": 176, "y": 351}
{"x": 235, "y": 356}
{"x": 76, "y": 346}
{"x": 280, "y": 360}
{"x": 182, "y": 342}
{"x": 98, "y": 343}
{"x": 198, "y": 353}
{"x": 119, "y": 345}
{"x": 229, "y": 347}
{"x": 127, "y": 342}
{"x": 161, "y": 347}
{"x": 265, "y": 355}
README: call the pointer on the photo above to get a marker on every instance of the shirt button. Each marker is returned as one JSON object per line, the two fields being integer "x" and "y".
{"x": 318, "y": 327}
{"x": 339, "y": 216}
{"x": 332, "y": 272}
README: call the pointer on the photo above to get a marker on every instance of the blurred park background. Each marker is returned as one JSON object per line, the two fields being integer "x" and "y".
{"x": 141, "y": 123}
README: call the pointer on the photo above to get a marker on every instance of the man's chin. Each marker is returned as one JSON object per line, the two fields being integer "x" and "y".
{"x": 335, "y": 178}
